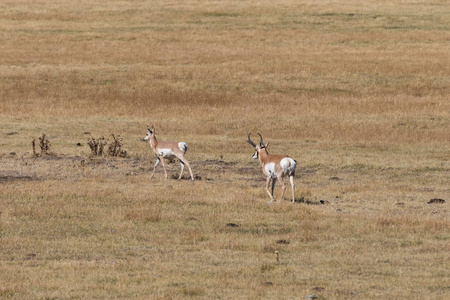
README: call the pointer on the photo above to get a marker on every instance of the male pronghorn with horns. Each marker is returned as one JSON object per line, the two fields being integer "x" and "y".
{"x": 274, "y": 167}
{"x": 167, "y": 150}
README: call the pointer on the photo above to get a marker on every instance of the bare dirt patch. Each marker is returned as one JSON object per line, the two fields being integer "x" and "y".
{"x": 13, "y": 178}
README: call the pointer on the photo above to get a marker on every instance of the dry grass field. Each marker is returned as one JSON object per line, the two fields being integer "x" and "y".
{"x": 358, "y": 92}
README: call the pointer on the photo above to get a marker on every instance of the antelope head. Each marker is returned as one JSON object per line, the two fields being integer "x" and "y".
{"x": 150, "y": 132}
{"x": 259, "y": 147}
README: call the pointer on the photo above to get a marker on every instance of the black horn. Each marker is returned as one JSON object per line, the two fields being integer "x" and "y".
{"x": 260, "y": 140}
{"x": 250, "y": 141}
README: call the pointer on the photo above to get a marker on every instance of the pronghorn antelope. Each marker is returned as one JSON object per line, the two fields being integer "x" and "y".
{"x": 274, "y": 167}
{"x": 167, "y": 150}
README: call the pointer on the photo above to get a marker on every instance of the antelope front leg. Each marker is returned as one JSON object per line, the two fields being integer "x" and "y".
{"x": 164, "y": 167}
{"x": 273, "y": 185}
{"x": 267, "y": 189}
{"x": 156, "y": 164}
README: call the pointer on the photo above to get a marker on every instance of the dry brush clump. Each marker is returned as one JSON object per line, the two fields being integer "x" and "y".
{"x": 114, "y": 148}
{"x": 44, "y": 144}
{"x": 96, "y": 146}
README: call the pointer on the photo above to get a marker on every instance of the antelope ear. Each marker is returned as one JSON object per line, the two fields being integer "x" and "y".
{"x": 267, "y": 145}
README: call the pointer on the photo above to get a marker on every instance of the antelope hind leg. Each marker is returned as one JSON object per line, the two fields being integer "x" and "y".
{"x": 182, "y": 169}
{"x": 189, "y": 168}
{"x": 283, "y": 187}
{"x": 291, "y": 179}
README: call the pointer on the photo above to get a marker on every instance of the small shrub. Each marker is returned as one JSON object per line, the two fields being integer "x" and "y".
{"x": 115, "y": 149}
{"x": 44, "y": 144}
{"x": 97, "y": 146}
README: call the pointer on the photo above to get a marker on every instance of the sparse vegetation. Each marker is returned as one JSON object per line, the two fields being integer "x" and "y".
{"x": 44, "y": 144}
{"x": 115, "y": 148}
{"x": 356, "y": 91}
{"x": 96, "y": 146}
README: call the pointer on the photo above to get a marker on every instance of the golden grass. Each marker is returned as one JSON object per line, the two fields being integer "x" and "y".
{"x": 356, "y": 92}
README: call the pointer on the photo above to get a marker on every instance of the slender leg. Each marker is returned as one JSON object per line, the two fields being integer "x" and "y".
{"x": 291, "y": 179}
{"x": 182, "y": 168}
{"x": 156, "y": 164}
{"x": 283, "y": 186}
{"x": 267, "y": 189}
{"x": 190, "y": 170}
{"x": 164, "y": 166}
{"x": 273, "y": 185}
{"x": 184, "y": 161}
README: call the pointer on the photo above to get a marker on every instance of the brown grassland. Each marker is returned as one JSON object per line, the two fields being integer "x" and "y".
{"x": 356, "y": 91}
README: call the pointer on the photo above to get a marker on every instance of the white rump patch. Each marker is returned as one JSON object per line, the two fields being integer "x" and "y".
{"x": 288, "y": 165}
{"x": 183, "y": 147}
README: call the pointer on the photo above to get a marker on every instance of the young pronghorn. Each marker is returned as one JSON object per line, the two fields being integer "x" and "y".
{"x": 274, "y": 167}
{"x": 167, "y": 150}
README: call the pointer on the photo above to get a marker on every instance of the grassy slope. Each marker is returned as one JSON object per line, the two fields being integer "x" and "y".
{"x": 357, "y": 93}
